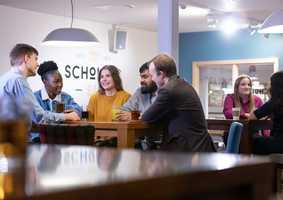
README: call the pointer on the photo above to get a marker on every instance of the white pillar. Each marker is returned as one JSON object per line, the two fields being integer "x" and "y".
{"x": 168, "y": 28}
{"x": 235, "y": 73}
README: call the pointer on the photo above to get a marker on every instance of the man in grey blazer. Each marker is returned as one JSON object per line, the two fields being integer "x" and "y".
{"x": 178, "y": 108}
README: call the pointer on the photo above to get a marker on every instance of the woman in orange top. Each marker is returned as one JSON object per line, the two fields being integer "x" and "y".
{"x": 109, "y": 95}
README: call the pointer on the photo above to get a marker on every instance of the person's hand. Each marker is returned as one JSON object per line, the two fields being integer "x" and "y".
{"x": 124, "y": 116}
{"x": 68, "y": 110}
{"x": 72, "y": 116}
{"x": 247, "y": 115}
{"x": 252, "y": 116}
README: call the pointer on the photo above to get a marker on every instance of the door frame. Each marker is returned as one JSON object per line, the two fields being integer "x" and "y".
{"x": 197, "y": 64}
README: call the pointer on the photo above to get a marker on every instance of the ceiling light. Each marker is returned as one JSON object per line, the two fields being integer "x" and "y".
{"x": 228, "y": 23}
{"x": 230, "y": 5}
{"x": 106, "y": 7}
{"x": 253, "y": 32}
{"x": 273, "y": 23}
{"x": 212, "y": 21}
{"x": 231, "y": 25}
{"x": 254, "y": 28}
{"x": 129, "y": 5}
{"x": 183, "y": 6}
{"x": 70, "y": 36}
{"x": 192, "y": 11}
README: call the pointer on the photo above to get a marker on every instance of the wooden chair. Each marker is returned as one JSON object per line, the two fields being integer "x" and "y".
{"x": 71, "y": 134}
{"x": 13, "y": 137}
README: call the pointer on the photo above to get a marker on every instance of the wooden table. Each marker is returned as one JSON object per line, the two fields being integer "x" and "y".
{"x": 249, "y": 128}
{"x": 81, "y": 172}
{"x": 126, "y": 132}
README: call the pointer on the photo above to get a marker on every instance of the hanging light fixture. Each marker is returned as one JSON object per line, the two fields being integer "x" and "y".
{"x": 70, "y": 36}
{"x": 273, "y": 23}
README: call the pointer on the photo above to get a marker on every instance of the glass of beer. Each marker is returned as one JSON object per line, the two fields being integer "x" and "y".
{"x": 85, "y": 115}
{"x": 115, "y": 110}
{"x": 135, "y": 114}
{"x": 59, "y": 107}
{"x": 236, "y": 113}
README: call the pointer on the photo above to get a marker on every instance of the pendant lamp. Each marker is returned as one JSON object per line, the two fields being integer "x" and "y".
{"x": 70, "y": 36}
{"x": 273, "y": 23}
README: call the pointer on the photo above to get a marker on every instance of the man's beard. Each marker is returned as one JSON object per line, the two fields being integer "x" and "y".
{"x": 148, "y": 88}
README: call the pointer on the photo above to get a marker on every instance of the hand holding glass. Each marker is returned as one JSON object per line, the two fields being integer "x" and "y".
{"x": 115, "y": 111}
{"x": 236, "y": 113}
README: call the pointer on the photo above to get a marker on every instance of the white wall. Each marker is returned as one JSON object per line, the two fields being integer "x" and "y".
{"x": 22, "y": 26}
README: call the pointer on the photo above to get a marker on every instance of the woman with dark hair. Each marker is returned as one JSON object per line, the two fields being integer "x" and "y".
{"x": 109, "y": 95}
{"x": 274, "y": 109}
{"x": 52, "y": 92}
{"x": 242, "y": 98}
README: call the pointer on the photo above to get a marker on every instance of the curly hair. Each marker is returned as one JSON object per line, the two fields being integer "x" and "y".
{"x": 46, "y": 68}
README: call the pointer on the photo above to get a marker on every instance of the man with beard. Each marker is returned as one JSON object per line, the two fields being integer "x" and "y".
{"x": 141, "y": 101}
{"x": 142, "y": 98}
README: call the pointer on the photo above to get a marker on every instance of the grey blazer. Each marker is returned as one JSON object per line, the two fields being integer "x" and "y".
{"x": 178, "y": 109}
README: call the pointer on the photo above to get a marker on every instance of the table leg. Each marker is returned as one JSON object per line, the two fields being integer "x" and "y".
{"x": 125, "y": 138}
{"x": 246, "y": 140}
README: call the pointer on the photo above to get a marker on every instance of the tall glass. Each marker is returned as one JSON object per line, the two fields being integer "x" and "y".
{"x": 236, "y": 113}
{"x": 115, "y": 111}
{"x": 59, "y": 107}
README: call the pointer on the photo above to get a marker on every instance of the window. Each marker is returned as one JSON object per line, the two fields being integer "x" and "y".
{"x": 213, "y": 80}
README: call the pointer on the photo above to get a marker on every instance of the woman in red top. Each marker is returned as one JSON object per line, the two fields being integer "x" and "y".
{"x": 242, "y": 97}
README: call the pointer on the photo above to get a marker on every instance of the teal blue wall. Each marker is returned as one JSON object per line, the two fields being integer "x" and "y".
{"x": 203, "y": 46}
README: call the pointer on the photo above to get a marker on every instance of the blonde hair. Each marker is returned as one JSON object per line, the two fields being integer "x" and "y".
{"x": 237, "y": 98}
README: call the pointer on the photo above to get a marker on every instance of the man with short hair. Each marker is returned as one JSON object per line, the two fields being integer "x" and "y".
{"x": 142, "y": 98}
{"x": 177, "y": 108}
{"x": 13, "y": 84}
{"x": 140, "y": 101}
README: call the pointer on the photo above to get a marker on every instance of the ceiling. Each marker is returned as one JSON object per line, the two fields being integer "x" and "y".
{"x": 143, "y": 13}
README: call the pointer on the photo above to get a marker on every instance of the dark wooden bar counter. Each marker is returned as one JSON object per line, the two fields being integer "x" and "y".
{"x": 81, "y": 172}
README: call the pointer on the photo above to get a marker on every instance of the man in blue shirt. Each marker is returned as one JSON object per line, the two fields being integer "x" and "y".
{"x": 13, "y": 84}
{"x": 52, "y": 93}
{"x": 142, "y": 98}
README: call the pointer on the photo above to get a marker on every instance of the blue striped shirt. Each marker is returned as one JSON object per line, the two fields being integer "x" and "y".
{"x": 14, "y": 85}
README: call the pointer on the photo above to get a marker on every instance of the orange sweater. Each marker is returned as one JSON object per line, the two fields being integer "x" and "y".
{"x": 100, "y": 106}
